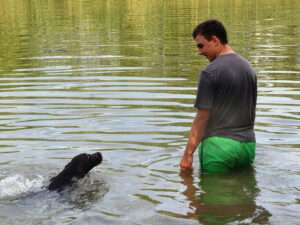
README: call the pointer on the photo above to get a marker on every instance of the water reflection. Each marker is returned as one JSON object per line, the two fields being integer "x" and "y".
{"x": 224, "y": 199}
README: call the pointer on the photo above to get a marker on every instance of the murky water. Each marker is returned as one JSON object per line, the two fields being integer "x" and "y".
{"x": 120, "y": 77}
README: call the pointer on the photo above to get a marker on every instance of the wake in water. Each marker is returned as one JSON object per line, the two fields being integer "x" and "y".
{"x": 81, "y": 194}
{"x": 17, "y": 185}
{"x": 24, "y": 199}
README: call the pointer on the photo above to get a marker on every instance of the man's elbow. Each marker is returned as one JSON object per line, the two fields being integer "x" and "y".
{"x": 203, "y": 115}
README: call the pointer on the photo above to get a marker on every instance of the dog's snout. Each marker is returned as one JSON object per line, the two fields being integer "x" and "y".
{"x": 96, "y": 157}
{"x": 99, "y": 156}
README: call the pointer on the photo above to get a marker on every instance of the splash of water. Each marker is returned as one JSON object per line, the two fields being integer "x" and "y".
{"x": 17, "y": 185}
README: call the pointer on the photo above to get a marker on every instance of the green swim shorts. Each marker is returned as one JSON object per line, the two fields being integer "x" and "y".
{"x": 222, "y": 155}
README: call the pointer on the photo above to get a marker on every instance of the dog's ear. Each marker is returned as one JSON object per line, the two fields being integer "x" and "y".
{"x": 80, "y": 170}
{"x": 74, "y": 167}
{"x": 78, "y": 165}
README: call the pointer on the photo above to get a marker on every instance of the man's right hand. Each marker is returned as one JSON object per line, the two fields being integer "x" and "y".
{"x": 186, "y": 162}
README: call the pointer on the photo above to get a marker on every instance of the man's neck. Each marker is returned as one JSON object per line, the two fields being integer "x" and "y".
{"x": 226, "y": 49}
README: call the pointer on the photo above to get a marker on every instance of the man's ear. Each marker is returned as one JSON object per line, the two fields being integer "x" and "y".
{"x": 215, "y": 40}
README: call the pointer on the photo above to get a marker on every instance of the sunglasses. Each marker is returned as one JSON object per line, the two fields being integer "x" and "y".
{"x": 199, "y": 45}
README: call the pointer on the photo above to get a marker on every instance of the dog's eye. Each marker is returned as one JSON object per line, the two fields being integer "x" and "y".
{"x": 89, "y": 157}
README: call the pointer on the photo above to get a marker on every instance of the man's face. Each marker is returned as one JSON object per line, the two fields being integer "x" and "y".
{"x": 207, "y": 48}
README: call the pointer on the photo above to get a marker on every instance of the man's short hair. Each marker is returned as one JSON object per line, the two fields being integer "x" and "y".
{"x": 211, "y": 28}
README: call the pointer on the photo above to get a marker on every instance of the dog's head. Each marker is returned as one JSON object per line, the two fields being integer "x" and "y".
{"x": 81, "y": 164}
{"x": 78, "y": 167}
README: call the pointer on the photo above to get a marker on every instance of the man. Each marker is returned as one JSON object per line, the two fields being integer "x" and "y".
{"x": 226, "y": 103}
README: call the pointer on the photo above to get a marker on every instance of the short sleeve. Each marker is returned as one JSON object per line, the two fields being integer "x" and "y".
{"x": 205, "y": 95}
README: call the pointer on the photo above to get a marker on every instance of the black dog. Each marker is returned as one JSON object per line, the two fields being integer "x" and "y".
{"x": 79, "y": 166}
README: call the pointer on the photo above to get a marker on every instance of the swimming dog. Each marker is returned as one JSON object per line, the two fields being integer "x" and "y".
{"x": 77, "y": 168}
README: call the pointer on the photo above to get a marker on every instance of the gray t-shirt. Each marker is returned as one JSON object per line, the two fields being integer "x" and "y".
{"x": 228, "y": 88}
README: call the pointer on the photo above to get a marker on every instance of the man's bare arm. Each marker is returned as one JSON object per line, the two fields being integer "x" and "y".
{"x": 195, "y": 136}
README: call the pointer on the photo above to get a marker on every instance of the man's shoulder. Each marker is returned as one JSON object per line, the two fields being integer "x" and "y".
{"x": 224, "y": 62}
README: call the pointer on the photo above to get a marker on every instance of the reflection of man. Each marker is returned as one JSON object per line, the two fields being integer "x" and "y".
{"x": 226, "y": 102}
{"x": 224, "y": 198}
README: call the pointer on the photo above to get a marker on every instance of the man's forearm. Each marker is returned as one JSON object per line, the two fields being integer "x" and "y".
{"x": 196, "y": 134}
{"x": 197, "y": 131}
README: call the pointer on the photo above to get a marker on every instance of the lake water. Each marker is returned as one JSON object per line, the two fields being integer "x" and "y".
{"x": 120, "y": 76}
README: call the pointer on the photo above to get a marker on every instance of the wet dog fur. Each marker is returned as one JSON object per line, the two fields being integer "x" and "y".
{"x": 77, "y": 168}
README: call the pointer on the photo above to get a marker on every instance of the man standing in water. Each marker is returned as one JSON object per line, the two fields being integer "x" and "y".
{"x": 225, "y": 103}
